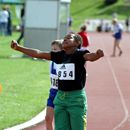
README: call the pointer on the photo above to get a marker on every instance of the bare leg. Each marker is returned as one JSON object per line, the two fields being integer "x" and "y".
{"x": 49, "y": 118}
{"x": 114, "y": 48}
{"x": 120, "y": 50}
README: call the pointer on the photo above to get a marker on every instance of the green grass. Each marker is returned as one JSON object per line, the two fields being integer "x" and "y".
{"x": 25, "y": 85}
{"x": 95, "y": 9}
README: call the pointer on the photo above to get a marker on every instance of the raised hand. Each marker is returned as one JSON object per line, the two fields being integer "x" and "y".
{"x": 100, "y": 53}
{"x": 14, "y": 44}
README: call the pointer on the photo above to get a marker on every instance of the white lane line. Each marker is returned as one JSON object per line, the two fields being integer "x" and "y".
{"x": 37, "y": 119}
{"x": 120, "y": 94}
{"x": 121, "y": 98}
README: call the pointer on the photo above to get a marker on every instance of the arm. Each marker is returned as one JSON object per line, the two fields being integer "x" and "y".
{"x": 93, "y": 56}
{"x": 30, "y": 52}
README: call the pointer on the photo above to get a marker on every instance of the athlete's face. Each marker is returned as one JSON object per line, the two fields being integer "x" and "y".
{"x": 113, "y": 22}
{"x": 69, "y": 42}
{"x": 55, "y": 48}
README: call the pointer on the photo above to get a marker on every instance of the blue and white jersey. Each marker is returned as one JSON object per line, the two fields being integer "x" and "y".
{"x": 53, "y": 75}
{"x": 117, "y": 30}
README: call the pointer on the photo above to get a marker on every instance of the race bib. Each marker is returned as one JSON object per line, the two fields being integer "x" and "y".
{"x": 54, "y": 81}
{"x": 66, "y": 71}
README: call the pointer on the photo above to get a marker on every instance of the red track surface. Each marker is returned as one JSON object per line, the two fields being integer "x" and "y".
{"x": 107, "y": 87}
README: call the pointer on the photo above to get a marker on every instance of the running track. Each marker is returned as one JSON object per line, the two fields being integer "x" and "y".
{"x": 107, "y": 87}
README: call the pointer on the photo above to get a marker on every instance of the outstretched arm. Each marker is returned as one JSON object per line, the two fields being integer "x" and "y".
{"x": 93, "y": 56}
{"x": 30, "y": 52}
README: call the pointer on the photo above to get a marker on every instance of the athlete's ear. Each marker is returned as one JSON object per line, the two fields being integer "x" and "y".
{"x": 79, "y": 46}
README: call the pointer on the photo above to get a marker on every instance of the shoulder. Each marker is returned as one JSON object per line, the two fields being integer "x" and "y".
{"x": 57, "y": 56}
{"x": 79, "y": 55}
{"x": 82, "y": 51}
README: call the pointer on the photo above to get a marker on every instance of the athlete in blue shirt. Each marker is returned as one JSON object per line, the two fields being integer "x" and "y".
{"x": 55, "y": 46}
{"x": 117, "y": 34}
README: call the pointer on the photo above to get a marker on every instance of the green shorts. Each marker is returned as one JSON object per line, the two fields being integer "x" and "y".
{"x": 70, "y": 110}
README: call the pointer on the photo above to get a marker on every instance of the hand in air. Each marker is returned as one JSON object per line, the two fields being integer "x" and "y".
{"x": 14, "y": 45}
{"x": 100, "y": 53}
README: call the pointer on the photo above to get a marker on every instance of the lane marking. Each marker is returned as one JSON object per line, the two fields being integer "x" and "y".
{"x": 120, "y": 93}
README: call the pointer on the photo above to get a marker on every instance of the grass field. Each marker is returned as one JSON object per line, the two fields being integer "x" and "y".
{"x": 25, "y": 85}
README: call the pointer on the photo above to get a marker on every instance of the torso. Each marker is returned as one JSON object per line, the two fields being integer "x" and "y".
{"x": 71, "y": 71}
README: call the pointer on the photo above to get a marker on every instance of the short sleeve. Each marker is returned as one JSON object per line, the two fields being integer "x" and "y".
{"x": 57, "y": 56}
{"x": 79, "y": 56}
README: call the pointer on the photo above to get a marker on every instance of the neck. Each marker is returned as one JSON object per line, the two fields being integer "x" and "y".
{"x": 70, "y": 51}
